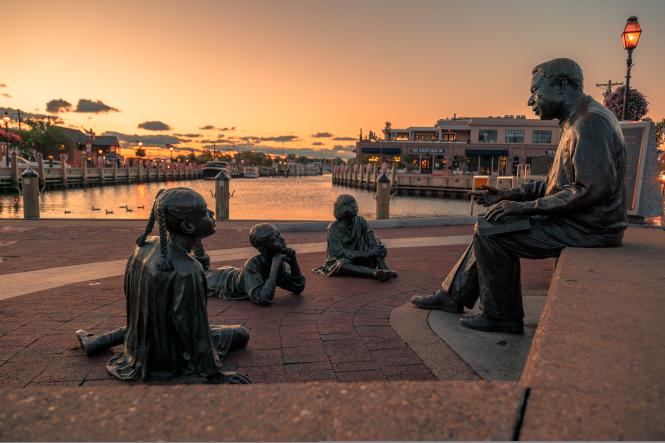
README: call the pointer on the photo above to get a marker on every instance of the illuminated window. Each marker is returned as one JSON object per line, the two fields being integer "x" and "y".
{"x": 487, "y": 136}
{"x": 424, "y": 136}
{"x": 448, "y": 136}
{"x": 514, "y": 135}
{"x": 542, "y": 136}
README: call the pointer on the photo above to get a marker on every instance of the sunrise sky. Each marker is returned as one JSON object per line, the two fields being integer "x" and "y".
{"x": 288, "y": 70}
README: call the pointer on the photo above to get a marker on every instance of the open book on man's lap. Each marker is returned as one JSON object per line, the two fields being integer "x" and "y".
{"x": 509, "y": 223}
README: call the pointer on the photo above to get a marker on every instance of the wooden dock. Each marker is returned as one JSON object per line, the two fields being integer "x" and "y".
{"x": 441, "y": 186}
{"x": 59, "y": 178}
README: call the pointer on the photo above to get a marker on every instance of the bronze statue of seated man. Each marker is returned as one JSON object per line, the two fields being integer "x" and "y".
{"x": 262, "y": 273}
{"x": 353, "y": 248}
{"x": 167, "y": 332}
{"x": 581, "y": 203}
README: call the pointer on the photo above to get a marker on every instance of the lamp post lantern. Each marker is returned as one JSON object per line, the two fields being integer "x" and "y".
{"x": 6, "y": 119}
{"x": 629, "y": 37}
{"x": 171, "y": 149}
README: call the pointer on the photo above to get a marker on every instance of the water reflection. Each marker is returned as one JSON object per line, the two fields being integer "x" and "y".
{"x": 268, "y": 198}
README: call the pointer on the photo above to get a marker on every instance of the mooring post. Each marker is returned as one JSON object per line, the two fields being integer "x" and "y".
{"x": 85, "y": 171}
{"x": 100, "y": 168}
{"x": 30, "y": 186}
{"x": 40, "y": 166}
{"x": 383, "y": 197}
{"x": 222, "y": 195}
{"x": 63, "y": 169}
{"x": 15, "y": 174}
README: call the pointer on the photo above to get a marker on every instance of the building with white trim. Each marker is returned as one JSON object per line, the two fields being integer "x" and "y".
{"x": 468, "y": 145}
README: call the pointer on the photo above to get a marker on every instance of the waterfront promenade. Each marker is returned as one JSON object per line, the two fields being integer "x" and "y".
{"x": 347, "y": 359}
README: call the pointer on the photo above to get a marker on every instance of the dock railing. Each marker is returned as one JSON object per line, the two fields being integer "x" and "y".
{"x": 56, "y": 178}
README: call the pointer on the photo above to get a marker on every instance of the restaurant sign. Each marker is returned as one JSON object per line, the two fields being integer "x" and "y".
{"x": 427, "y": 150}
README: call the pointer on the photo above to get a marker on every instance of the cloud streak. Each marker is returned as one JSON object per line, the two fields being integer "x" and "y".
{"x": 154, "y": 125}
{"x": 58, "y": 105}
{"x": 321, "y": 135}
{"x": 213, "y": 127}
{"x": 93, "y": 107}
{"x": 148, "y": 140}
{"x": 344, "y": 138}
{"x": 280, "y": 138}
{"x": 278, "y": 150}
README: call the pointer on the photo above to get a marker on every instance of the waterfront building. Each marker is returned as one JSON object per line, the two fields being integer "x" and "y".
{"x": 84, "y": 147}
{"x": 465, "y": 145}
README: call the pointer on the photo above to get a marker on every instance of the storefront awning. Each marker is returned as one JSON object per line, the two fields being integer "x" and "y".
{"x": 486, "y": 152}
{"x": 384, "y": 151}
{"x": 370, "y": 150}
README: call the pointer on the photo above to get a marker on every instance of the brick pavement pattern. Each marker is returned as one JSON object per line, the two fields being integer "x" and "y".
{"x": 337, "y": 330}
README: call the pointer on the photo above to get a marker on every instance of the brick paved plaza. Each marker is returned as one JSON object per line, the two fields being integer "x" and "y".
{"x": 337, "y": 330}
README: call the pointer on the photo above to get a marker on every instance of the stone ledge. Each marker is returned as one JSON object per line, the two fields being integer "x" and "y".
{"x": 293, "y": 412}
{"x": 596, "y": 363}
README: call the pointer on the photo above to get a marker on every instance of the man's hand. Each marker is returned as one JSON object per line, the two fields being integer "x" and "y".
{"x": 289, "y": 255}
{"x": 504, "y": 208}
{"x": 488, "y": 197}
{"x": 277, "y": 259}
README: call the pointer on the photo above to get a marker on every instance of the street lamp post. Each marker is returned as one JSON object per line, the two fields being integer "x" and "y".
{"x": 171, "y": 149}
{"x": 6, "y": 119}
{"x": 629, "y": 37}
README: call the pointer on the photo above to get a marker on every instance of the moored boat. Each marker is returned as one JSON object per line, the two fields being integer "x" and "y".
{"x": 250, "y": 172}
{"x": 212, "y": 168}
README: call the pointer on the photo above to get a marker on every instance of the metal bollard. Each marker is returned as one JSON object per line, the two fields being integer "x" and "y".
{"x": 222, "y": 196}
{"x": 15, "y": 171}
{"x": 30, "y": 185}
{"x": 383, "y": 197}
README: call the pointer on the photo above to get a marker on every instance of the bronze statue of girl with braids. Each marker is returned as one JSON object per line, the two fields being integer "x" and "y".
{"x": 167, "y": 332}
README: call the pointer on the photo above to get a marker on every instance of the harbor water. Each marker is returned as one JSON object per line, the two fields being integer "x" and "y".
{"x": 266, "y": 198}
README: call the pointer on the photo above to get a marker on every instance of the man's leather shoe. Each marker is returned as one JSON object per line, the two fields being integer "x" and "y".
{"x": 438, "y": 300}
{"x": 483, "y": 322}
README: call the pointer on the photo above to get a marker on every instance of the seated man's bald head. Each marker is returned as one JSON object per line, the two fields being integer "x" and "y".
{"x": 556, "y": 69}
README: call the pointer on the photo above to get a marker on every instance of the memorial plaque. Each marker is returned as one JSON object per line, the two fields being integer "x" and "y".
{"x": 643, "y": 197}
{"x": 634, "y": 152}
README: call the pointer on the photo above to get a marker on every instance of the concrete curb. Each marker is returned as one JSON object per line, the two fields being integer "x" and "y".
{"x": 412, "y": 325}
{"x": 283, "y": 225}
{"x": 313, "y": 226}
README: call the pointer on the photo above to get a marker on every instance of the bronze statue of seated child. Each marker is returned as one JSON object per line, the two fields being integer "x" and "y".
{"x": 167, "y": 332}
{"x": 261, "y": 274}
{"x": 353, "y": 248}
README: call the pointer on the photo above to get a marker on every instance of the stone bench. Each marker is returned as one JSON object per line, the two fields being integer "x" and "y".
{"x": 596, "y": 368}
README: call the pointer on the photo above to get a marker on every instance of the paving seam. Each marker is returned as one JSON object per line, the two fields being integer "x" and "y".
{"x": 520, "y": 413}
{"x": 22, "y": 283}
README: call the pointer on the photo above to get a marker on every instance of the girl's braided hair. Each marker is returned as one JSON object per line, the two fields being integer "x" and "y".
{"x": 172, "y": 218}
{"x": 151, "y": 221}
{"x": 165, "y": 264}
